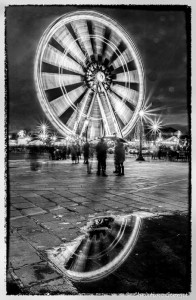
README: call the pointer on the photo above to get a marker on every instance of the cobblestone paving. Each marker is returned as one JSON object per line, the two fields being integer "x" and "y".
{"x": 49, "y": 207}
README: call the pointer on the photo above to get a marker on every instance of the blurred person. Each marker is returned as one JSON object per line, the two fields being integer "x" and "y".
{"x": 115, "y": 164}
{"x": 78, "y": 152}
{"x": 73, "y": 150}
{"x": 86, "y": 147}
{"x": 101, "y": 150}
{"x": 33, "y": 158}
{"x": 65, "y": 152}
{"x": 90, "y": 160}
{"x": 68, "y": 151}
{"x": 119, "y": 157}
{"x": 51, "y": 153}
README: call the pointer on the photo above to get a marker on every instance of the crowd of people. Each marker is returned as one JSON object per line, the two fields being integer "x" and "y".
{"x": 88, "y": 151}
{"x": 171, "y": 153}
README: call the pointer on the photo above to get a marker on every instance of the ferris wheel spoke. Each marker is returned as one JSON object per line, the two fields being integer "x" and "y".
{"x": 55, "y": 44}
{"x": 120, "y": 49}
{"x": 112, "y": 50}
{"x": 125, "y": 93}
{"x": 76, "y": 39}
{"x": 123, "y": 111}
{"x": 73, "y": 87}
{"x": 92, "y": 39}
{"x": 98, "y": 30}
{"x": 81, "y": 29}
{"x": 131, "y": 85}
{"x": 47, "y": 68}
{"x": 106, "y": 38}
{"x": 66, "y": 41}
{"x": 131, "y": 76}
{"x": 51, "y": 81}
{"x": 56, "y": 58}
{"x": 61, "y": 104}
{"x": 130, "y": 66}
{"x": 121, "y": 60}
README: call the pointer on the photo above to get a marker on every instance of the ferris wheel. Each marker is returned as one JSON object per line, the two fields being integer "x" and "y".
{"x": 87, "y": 68}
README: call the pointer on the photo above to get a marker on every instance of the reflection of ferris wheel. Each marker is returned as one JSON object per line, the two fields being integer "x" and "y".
{"x": 88, "y": 68}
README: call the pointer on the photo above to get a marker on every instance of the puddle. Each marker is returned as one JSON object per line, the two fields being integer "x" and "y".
{"x": 139, "y": 253}
{"x": 105, "y": 244}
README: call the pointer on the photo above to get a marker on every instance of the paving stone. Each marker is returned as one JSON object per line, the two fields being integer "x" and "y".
{"x": 78, "y": 199}
{"x": 40, "y": 239}
{"x": 22, "y": 222}
{"x": 15, "y": 213}
{"x": 23, "y": 205}
{"x": 17, "y": 199}
{"x": 32, "y": 211}
{"x": 66, "y": 235}
{"x": 47, "y": 205}
{"x": 82, "y": 210}
{"x": 72, "y": 217}
{"x": 60, "y": 212}
{"x": 29, "y": 194}
{"x": 43, "y": 217}
{"x": 11, "y": 207}
{"x": 55, "y": 287}
{"x": 62, "y": 200}
{"x": 96, "y": 207}
{"x": 58, "y": 225}
{"x": 33, "y": 273}
{"x": 29, "y": 256}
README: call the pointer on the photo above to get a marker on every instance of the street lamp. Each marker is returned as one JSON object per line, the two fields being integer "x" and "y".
{"x": 86, "y": 122}
{"x": 44, "y": 127}
{"x": 43, "y": 136}
{"x": 140, "y": 157}
{"x": 155, "y": 127}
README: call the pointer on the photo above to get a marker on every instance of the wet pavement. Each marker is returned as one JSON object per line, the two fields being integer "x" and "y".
{"x": 48, "y": 209}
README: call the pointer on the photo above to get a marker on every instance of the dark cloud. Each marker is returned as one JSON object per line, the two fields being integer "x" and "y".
{"x": 160, "y": 35}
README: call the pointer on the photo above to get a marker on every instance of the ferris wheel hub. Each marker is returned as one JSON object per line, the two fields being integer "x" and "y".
{"x": 97, "y": 73}
{"x": 100, "y": 76}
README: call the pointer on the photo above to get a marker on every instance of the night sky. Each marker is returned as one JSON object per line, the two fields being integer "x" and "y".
{"x": 160, "y": 35}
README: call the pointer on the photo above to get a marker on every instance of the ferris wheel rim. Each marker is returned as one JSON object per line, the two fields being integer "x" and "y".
{"x": 44, "y": 41}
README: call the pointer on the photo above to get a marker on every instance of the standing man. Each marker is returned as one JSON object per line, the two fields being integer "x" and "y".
{"x": 119, "y": 157}
{"x": 101, "y": 150}
{"x": 86, "y": 147}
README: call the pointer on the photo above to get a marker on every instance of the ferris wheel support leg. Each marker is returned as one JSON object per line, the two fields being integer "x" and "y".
{"x": 105, "y": 122}
{"x": 112, "y": 113}
{"x": 89, "y": 111}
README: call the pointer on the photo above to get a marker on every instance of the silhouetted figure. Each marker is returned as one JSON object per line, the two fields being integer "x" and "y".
{"x": 33, "y": 157}
{"x": 51, "y": 153}
{"x": 101, "y": 150}
{"x": 90, "y": 160}
{"x": 64, "y": 152}
{"x": 78, "y": 152}
{"x": 73, "y": 153}
{"x": 119, "y": 157}
{"x": 86, "y": 147}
